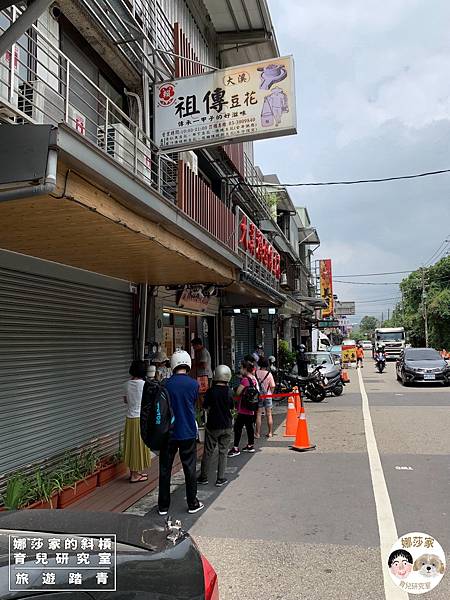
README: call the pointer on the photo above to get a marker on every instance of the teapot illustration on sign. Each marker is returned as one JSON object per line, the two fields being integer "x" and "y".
{"x": 274, "y": 105}
{"x": 270, "y": 75}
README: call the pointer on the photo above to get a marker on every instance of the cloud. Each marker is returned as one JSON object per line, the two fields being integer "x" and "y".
{"x": 373, "y": 101}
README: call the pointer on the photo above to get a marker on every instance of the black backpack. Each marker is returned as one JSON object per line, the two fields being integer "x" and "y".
{"x": 156, "y": 415}
{"x": 250, "y": 396}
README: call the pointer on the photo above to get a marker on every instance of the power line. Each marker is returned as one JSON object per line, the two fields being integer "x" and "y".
{"x": 437, "y": 251}
{"x": 375, "y": 274}
{"x": 367, "y": 282}
{"x": 352, "y": 182}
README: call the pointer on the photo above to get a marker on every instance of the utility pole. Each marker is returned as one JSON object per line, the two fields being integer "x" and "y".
{"x": 389, "y": 314}
{"x": 382, "y": 319}
{"x": 424, "y": 306}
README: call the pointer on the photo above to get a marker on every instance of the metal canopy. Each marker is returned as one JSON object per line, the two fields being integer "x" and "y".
{"x": 309, "y": 236}
{"x": 245, "y": 30}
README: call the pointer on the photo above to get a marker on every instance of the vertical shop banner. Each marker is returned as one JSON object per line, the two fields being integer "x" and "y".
{"x": 254, "y": 243}
{"x": 241, "y": 103}
{"x": 326, "y": 287}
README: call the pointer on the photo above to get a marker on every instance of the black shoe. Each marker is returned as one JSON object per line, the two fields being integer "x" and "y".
{"x": 233, "y": 452}
{"x": 221, "y": 482}
{"x": 197, "y": 508}
{"x": 202, "y": 481}
{"x": 249, "y": 449}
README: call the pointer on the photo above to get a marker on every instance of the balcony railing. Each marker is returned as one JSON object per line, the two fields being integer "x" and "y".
{"x": 198, "y": 201}
{"x": 40, "y": 84}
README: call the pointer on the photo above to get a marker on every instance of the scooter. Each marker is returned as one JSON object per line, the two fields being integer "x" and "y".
{"x": 334, "y": 385}
{"x": 313, "y": 386}
{"x": 380, "y": 361}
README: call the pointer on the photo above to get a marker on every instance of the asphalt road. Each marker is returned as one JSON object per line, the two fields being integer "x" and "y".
{"x": 303, "y": 526}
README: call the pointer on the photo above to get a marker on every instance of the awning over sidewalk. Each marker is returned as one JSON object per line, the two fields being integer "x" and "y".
{"x": 99, "y": 234}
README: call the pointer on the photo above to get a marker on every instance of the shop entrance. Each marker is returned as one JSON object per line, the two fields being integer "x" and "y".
{"x": 179, "y": 328}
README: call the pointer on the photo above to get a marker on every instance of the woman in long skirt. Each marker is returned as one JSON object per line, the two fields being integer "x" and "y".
{"x": 136, "y": 453}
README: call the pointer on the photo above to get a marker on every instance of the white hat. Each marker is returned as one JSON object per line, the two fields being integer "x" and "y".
{"x": 151, "y": 372}
{"x": 180, "y": 358}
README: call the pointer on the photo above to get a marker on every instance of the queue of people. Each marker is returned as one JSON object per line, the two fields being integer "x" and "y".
{"x": 180, "y": 378}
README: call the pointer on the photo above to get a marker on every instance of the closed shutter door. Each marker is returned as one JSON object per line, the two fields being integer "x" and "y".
{"x": 65, "y": 350}
{"x": 245, "y": 337}
{"x": 268, "y": 337}
{"x": 241, "y": 338}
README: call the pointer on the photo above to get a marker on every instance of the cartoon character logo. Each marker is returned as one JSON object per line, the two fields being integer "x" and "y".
{"x": 429, "y": 565}
{"x": 400, "y": 563}
{"x": 166, "y": 95}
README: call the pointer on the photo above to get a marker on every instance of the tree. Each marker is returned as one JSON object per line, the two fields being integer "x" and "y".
{"x": 367, "y": 326}
{"x": 410, "y": 313}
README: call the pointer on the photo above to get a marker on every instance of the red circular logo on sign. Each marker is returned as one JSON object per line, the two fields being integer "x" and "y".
{"x": 166, "y": 95}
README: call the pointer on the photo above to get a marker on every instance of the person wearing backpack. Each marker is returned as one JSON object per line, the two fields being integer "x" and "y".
{"x": 218, "y": 403}
{"x": 267, "y": 386}
{"x": 183, "y": 392}
{"x": 136, "y": 454}
{"x": 248, "y": 401}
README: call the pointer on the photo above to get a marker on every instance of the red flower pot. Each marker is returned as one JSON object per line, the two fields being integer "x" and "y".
{"x": 109, "y": 472}
{"x": 79, "y": 490}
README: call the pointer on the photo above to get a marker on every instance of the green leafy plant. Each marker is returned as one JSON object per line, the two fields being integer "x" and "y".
{"x": 44, "y": 486}
{"x": 117, "y": 457}
{"x": 18, "y": 493}
{"x": 200, "y": 417}
{"x": 286, "y": 357}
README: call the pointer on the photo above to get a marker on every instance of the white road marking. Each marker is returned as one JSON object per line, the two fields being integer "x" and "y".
{"x": 385, "y": 517}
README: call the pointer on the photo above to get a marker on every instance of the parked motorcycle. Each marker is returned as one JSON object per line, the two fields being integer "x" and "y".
{"x": 334, "y": 385}
{"x": 312, "y": 387}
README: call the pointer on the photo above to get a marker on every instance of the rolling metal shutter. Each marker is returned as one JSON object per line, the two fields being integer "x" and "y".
{"x": 268, "y": 337}
{"x": 245, "y": 337}
{"x": 65, "y": 350}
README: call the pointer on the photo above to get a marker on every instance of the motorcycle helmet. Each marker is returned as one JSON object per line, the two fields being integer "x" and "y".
{"x": 180, "y": 358}
{"x": 301, "y": 348}
{"x": 222, "y": 373}
{"x": 272, "y": 360}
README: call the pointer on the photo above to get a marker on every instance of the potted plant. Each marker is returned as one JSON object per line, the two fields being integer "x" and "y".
{"x": 81, "y": 471}
{"x": 112, "y": 466}
{"x": 44, "y": 490}
{"x": 18, "y": 492}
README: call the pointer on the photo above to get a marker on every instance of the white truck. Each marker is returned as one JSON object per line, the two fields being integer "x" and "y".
{"x": 392, "y": 338}
{"x": 320, "y": 342}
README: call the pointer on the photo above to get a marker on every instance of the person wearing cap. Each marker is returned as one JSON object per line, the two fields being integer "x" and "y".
{"x": 183, "y": 392}
{"x": 162, "y": 370}
{"x": 258, "y": 353}
{"x": 218, "y": 403}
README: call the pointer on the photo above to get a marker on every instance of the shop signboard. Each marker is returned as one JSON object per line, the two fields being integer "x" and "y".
{"x": 328, "y": 323}
{"x": 254, "y": 243}
{"x": 187, "y": 299}
{"x": 344, "y": 309}
{"x": 240, "y": 103}
{"x": 326, "y": 287}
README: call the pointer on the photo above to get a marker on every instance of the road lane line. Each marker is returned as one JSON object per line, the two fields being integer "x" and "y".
{"x": 385, "y": 517}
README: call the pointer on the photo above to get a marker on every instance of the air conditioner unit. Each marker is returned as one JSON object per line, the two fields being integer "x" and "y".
{"x": 43, "y": 104}
{"x": 191, "y": 159}
{"x": 120, "y": 144}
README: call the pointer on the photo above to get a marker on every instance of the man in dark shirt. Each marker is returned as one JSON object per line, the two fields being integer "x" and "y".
{"x": 302, "y": 361}
{"x": 219, "y": 403}
{"x": 183, "y": 392}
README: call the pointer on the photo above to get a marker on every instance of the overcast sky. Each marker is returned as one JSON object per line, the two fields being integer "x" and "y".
{"x": 373, "y": 100}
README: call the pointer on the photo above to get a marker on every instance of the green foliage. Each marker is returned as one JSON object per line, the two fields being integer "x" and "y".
{"x": 18, "y": 492}
{"x": 367, "y": 326}
{"x": 286, "y": 357}
{"x": 410, "y": 313}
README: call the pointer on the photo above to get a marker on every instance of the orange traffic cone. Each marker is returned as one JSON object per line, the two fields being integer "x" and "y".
{"x": 302, "y": 443}
{"x": 345, "y": 376}
{"x": 291, "y": 419}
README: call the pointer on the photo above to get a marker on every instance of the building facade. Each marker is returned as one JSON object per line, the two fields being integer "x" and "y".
{"x": 110, "y": 249}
